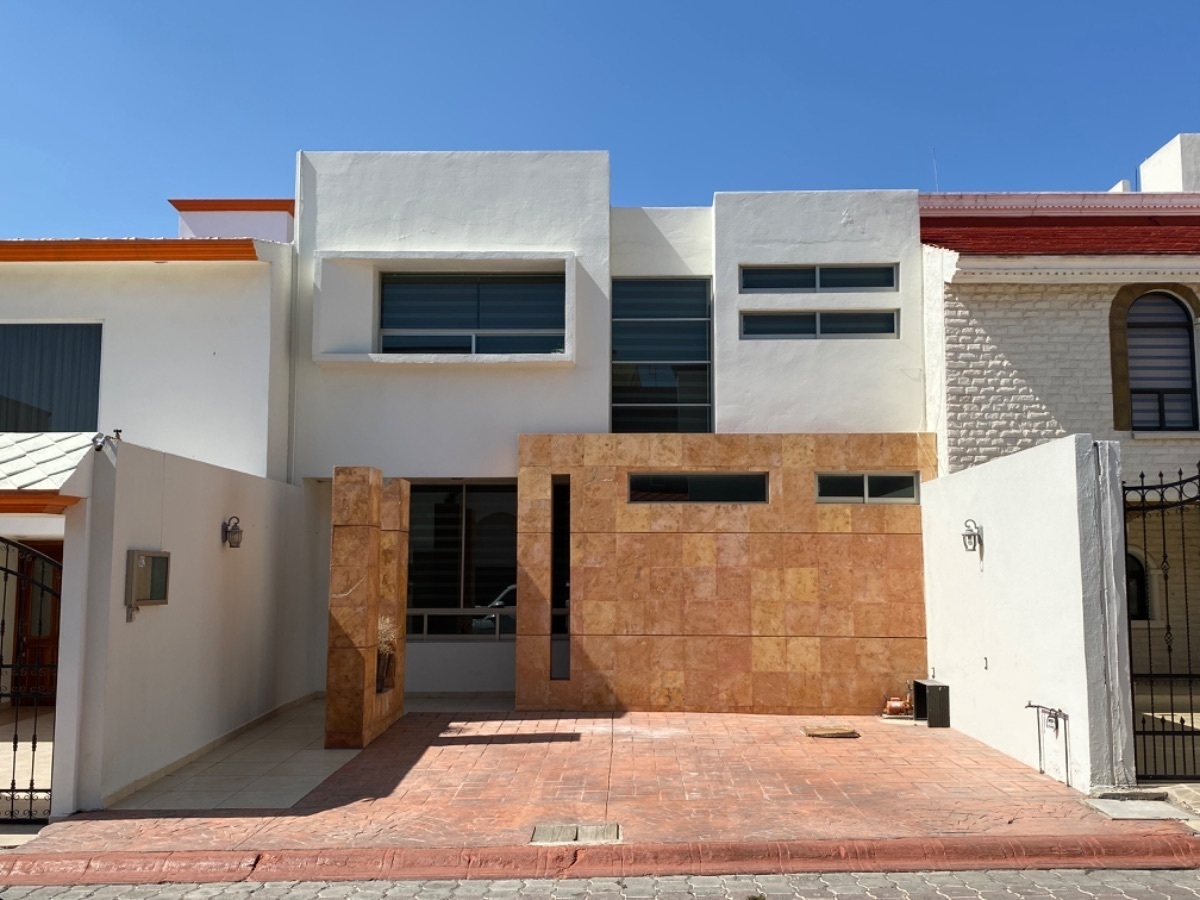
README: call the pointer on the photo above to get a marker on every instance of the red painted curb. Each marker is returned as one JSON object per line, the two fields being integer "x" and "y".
{"x": 964, "y": 852}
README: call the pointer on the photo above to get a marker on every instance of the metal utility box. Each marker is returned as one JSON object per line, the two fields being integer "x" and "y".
{"x": 931, "y": 701}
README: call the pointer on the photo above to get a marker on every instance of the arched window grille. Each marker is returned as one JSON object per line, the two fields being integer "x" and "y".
{"x": 1162, "y": 364}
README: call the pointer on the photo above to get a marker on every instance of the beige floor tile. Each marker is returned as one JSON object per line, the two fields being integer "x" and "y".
{"x": 187, "y": 800}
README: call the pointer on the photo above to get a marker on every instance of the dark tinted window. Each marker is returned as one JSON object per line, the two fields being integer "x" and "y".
{"x": 660, "y": 341}
{"x": 1162, "y": 371}
{"x": 891, "y": 487}
{"x": 660, "y": 299}
{"x": 858, "y": 323}
{"x": 659, "y": 383}
{"x": 661, "y": 419}
{"x": 691, "y": 487}
{"x": 859, "y": 487}
{"x": 779, "y": 278}
{"x": 840, "y": 487}
{"x": 779, "y": 324}
{"x": 49, "y": 377}
{"x": 860, "y": 277}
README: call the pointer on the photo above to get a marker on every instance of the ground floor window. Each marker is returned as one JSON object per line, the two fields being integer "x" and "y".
{"x": 462, "y": 556}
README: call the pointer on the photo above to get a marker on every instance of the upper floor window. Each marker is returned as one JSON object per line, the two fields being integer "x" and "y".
{"x": 789, "y": 279}
{"x": 472, "y": 314}
{"x": 662, "y": 355}
{"x": 828, "y": 324}
{"x": 49, "y": 377}
{"x": 1162, "y": 364}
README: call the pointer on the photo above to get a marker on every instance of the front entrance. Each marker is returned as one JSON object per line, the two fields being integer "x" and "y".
{"x": 30, "y": 591}
{"x": 1162, "y": 572}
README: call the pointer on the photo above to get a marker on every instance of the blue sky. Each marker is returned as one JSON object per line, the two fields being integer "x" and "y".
{"x": 110, "y": 108}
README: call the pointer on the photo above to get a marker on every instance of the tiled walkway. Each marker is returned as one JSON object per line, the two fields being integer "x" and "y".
{"x": 272, "y": 766}
{"x": 441, "y": 780}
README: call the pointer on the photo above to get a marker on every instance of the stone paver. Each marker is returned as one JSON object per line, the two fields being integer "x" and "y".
{"x": 984, "y": 885}
{"x": 485, "y": 779}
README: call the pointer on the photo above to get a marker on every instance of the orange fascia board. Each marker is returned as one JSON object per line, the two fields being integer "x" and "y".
{"x": 27, "y": 502}
{"x": 129, "y": 250}
{"x": 247, "y": 205}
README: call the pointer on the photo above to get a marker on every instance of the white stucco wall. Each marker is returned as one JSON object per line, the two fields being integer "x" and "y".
{"x": 460, "y": 418}
{"x": 242, "y": 634}
{"x": 42, "y": 527}
{"x": 938, "y": 268}
{"x": 1173, "y": 167}
{"x": 266, "y": 226}
{"x": 1040, "y": 617}
{"x": 1027, "y": 363}
{"x": 193, "y": 354}
{"x": 658, "y": 242}
{"x": 854, "y": 385}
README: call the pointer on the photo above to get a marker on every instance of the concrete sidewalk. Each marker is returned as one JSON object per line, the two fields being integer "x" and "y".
{"x": 459, "y": 795}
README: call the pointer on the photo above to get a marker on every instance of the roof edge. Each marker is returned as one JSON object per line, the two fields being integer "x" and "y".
{"x": 129, "y": 250}
{"x": 249, "y": 204}
{"x": 1058, "y": 204}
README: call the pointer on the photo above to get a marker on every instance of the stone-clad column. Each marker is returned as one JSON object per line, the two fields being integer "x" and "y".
{"x": 354, "y": 587}
{"x": 393, "y": 599}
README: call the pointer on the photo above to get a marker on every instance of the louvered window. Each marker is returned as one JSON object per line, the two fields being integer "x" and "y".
{"x": 1162, "y": 365}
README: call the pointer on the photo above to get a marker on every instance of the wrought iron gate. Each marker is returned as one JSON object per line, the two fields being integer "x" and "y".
{"x": 30, "y": 589}
{"x": 1162, "y": 577}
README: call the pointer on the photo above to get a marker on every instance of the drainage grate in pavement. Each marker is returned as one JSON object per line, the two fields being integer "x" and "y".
{"x": 576, "y": 834}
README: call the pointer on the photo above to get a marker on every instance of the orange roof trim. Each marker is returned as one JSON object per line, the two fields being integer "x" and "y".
{"x": 28, "y": 502}
{"x": 130, "y": 250}
{"x": 246, "y": 205}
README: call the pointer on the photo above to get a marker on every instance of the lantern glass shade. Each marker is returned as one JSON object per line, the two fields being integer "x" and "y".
{"x": 231, "y": 533}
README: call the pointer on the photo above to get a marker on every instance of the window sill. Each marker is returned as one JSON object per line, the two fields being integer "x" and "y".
{"x": 417, "y": 360}
{"x": 1166, "y": 435}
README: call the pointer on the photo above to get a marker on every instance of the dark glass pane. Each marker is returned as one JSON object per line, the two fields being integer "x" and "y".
{"x": 490, "y": 548}
{"x": 840, "y": 487}
{"x": 452, "y": 304}
{"x": 660, "y": 341}
{"x": 519, "y": 343}
{"x": 835, "y": 277}
{"x": 426, "y": 343}
{"x": 858, "y": 323}
{"x": 517, "y": 304}
{"x": 779, "y": 324}
{"x": 1158, "y": 309}
{"x": 779, "y": 278}
{"x": 661, "y": 419}
{"x": 1135, "y": 587}
{"x": 660, "y": 299}
{"x": 1145, "y": 411}
{"x": 49, "y": 377}
{"x": 1160, "y": 358}
{"x": 435, "y": 546}
{"x": 560, "y": 550}
{"x": 1178, "y": 412}
{"x": 698, "y": 488}
{"x": 659, "y": 383}
{"x": 892, "y": 487}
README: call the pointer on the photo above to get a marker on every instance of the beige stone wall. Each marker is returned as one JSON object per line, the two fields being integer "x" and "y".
{"x": 785, "y": 607}
{"x": 368, "y": 577}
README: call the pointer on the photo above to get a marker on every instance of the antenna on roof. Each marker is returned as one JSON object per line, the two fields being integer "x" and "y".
{"x": 936, "y": 187}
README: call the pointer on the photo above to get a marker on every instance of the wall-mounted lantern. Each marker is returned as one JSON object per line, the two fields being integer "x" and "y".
{"x": 231, "y": 533}
{"x": 972, "y": 536}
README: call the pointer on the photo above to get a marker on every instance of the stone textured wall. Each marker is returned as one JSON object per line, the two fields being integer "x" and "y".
{"x": 783, "y": 607}
{"x": 1029, "y": 363}
{"x": 368, "y": 578}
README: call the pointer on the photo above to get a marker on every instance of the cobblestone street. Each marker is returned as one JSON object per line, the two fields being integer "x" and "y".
{"x": 1111, "y": 884}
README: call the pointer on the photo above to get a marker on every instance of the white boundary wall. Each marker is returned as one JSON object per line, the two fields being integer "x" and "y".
{"x": 243, "y": 632}
{"x": 1040, "y": 617}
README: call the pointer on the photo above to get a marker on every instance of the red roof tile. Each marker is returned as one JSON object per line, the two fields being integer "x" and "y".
{"x": 1063, "y": 235}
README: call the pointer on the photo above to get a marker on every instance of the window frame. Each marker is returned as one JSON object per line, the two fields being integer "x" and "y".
{"x": 866, "y": 499}
{"x": 743, "y": 314}
{"x": 817, "y": 289}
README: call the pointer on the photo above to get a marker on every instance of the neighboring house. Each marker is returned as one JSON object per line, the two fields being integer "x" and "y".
{"x": 677, "y": 453}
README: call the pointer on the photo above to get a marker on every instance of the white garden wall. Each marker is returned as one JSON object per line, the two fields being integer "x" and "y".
{"x": 1039, "y": 616}
{"x": 242, "y": 634}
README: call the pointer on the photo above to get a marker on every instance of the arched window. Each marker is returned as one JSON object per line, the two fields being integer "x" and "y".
{"x": 1136, "y": 593}
{"x": 1162, "y": 364}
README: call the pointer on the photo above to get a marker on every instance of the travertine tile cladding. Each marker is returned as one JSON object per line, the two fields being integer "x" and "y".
{"x": 787, "y": 606}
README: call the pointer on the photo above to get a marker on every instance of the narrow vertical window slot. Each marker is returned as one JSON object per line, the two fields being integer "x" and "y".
{"x": 560, "y": 578}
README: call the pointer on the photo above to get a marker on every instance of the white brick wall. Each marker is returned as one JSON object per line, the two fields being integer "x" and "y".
{"x": 1028, "y": 363}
